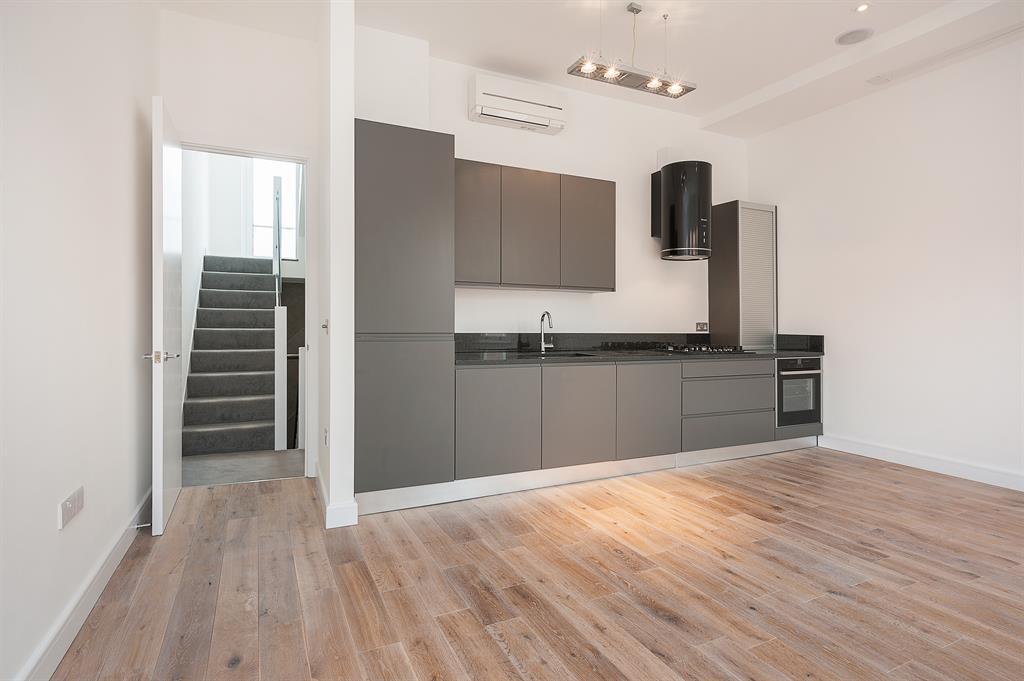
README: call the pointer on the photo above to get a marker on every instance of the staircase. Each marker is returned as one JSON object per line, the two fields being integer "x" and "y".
{"x": 229, "y": 405}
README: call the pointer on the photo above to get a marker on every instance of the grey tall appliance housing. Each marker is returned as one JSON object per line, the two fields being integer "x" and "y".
{"x": 681, "y": 210}
{"x": 404, "y": 307}
{"x": 742, "y": 278}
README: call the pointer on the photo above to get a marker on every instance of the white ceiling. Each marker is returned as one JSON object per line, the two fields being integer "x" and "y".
{"x": 757, "y": 64}
{"x": 728, "y": 48}
{"x": 742, "y": 54}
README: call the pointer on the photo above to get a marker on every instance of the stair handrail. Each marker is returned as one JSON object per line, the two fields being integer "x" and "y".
{"x": 277, "y": 237}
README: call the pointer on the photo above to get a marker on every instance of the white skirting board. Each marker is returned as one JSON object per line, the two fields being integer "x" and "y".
{"x": 337, "y": 514}
{"x": 50, "y": 652}
{"x": 457, "y": 490}
{"x": 990, "y": 475}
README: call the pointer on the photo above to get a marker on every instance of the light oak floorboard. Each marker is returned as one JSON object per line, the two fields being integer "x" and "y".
{"x": 805, "y": 565}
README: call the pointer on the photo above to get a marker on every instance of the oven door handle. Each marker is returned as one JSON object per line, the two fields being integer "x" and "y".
{"x": 800, "y": 373}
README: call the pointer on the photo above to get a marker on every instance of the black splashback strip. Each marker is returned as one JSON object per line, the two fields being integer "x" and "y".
{"x": 483, "y": 342}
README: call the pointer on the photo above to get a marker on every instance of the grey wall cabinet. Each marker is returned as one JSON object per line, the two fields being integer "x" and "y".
{"x": 497, "y": 420}
{"x": 477, "y": 222}
{"x": 579, "y": 414}
{"x": 647, "y": 410}
{"x": 404, "y": 215}
{"x": 405, "y": 413}
{"x": 530, "y": 227}
{"x": 588, "y": 233}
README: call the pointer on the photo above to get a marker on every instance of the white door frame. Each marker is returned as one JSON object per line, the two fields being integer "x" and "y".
{"x": 312, "y": 288}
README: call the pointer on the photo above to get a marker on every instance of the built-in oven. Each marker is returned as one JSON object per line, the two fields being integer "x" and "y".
{"x": 798, "y": 391}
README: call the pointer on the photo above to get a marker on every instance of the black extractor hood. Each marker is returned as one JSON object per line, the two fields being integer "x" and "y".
{"x": 681, "y": 210}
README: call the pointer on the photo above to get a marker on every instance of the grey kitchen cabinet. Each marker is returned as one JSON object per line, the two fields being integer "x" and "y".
{"x": 530, "y": 227}
{"x": 647, "y": 409}
{"x": 404, "y": 412}
{"x": 588, "y": 233}
{"x": 497, "y": 420}
{"x": 404, "y": 216}
{"x": 741, "y": 393}
{"x": 578, "y": 423}
{"x": 477, "y": 222}
{"x": 726, "y": 430}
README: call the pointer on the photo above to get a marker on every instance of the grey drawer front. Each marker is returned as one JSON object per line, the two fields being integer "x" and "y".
{"x": 728, "y": 367}
{"x": 801, "y": 430}
{"x": 727, "y": 430}
{"x": 716, "y": 395}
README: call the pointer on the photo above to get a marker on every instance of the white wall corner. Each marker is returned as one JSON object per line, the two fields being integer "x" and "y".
{"x": 990, "y": 475}
{"x": 340, "y": 476}
{"x": 45, "y": 659}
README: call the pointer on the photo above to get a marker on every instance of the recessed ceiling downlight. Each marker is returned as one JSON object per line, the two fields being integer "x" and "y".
{"x": 857, "y": 35}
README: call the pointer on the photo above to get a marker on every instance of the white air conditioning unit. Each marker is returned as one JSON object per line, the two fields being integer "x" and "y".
{"x": 515, "y": 104}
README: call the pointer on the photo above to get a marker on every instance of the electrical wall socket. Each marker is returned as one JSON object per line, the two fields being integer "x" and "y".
{"x": 702, "y": 326}
{"x": 70, "y": 507}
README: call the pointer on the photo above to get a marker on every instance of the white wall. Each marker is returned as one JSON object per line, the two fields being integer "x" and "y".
{"x": 195, "y": 238}
{"x": 75, "y": 391}
{"x": 900, "y": 239}
{"x": 392, "y": 78}
{"x": 233, "y": 87}
{"x": 605, "y": 138}
{"x": 228, "y": 212}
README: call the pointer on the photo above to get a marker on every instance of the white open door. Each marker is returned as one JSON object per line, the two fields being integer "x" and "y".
{"x": 167, "y": 371}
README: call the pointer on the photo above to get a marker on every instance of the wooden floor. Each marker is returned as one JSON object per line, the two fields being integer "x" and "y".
{"x": 222, "y": 469}
{"x": 804, "y": 565}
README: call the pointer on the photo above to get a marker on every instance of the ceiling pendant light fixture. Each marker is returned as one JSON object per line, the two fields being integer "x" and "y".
{"x": 599, "y": 68}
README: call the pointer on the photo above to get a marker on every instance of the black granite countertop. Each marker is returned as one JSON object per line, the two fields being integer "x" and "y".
{"x": 514, "y": 349}
{"x": 519, "y": 358}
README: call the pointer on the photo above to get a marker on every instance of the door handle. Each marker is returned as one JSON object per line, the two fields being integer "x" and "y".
{"x": 172, "y": 355}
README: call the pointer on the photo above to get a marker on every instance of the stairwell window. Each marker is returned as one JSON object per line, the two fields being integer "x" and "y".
{"x": 263, "y": 173}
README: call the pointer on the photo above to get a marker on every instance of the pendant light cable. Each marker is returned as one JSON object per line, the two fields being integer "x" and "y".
{"x": 632, "y": 55}
{"x": 664, "y": 67}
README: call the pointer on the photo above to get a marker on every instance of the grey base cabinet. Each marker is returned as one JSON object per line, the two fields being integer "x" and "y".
{"x": 647, "y": 410}
{"x": 727, "y": 403}
{"x": 497, "y": 420}
{"x": 579, "y": 414}
{"x": 405, "y": 413}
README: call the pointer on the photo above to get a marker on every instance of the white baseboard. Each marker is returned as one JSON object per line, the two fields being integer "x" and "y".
{"x": 991, "y": 475}
{"x": 48, "y": 654}
{"x": 337, "y": 514}
{"x": 743, "y": 451}
{"x": 456, "y": 490}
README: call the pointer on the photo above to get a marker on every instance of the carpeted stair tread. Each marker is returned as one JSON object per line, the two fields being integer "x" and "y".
{"x": 213, "y": 438}
{"x": 239, "y": 281}
{"x": 207, "y": 361}
{"x": 234, "y": 318}
{"x": 227, "y": 383}
{"x": 228, "y": 409}
{"x": 233, "y": 339}
{"x": 232, "y": 299}
{"x": 220, "y": 263}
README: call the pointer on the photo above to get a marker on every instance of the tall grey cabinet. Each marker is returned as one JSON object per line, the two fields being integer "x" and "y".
{"x": 404, "y": 307}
